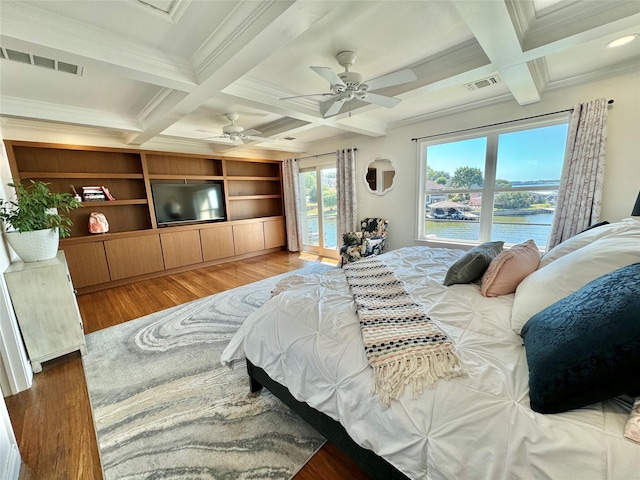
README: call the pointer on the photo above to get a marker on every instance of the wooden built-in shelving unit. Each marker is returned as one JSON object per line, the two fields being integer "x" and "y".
{"x": 135, "y": 247}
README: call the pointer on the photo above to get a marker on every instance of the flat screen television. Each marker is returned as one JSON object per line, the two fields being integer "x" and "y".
{"x": 177, "y": 203}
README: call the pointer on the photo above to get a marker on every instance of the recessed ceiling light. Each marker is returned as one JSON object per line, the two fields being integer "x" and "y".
{"x": 618, "y": 42}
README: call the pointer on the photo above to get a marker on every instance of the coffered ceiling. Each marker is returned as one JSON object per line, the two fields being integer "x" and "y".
{"x": 171, "y": 69}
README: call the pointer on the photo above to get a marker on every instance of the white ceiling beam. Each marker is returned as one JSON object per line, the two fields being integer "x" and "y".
{"x": 496, "y": 32}
{"x": 33, "y": 30}
{"x": 356, "y": 124}
{"x": 273, "y": 26}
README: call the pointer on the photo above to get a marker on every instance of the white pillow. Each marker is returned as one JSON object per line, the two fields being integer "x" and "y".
{"x": 629, "y": 227}
{"x": 569, "y": 273}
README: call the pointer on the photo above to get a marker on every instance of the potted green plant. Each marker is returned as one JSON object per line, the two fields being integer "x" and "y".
{"x": 33, "y": 221}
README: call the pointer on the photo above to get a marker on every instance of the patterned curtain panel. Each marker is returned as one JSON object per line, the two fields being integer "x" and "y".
{"x": 581, "y": 184}
{"x": 346, "y": 183}
{"x": 291, "y": 186}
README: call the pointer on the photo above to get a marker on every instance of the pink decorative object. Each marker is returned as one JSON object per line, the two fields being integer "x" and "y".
{"x": 98, "y": 223}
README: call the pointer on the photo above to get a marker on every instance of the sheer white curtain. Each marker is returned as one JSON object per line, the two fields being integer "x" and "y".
{"x": 291, "y": 186}
{"x": 581, "y": 183}
{"x": 346, "y": 184}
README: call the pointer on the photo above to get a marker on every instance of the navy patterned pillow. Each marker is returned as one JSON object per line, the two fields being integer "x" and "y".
{"x": 585, "y": 348}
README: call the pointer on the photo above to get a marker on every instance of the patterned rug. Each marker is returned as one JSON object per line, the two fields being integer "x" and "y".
{"x": 165, "y": 408}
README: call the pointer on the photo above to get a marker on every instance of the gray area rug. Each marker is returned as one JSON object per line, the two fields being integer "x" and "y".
{"x": 165, "y": 408}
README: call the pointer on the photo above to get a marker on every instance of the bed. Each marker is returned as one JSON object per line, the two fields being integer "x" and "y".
{"x": 305, "y": 345}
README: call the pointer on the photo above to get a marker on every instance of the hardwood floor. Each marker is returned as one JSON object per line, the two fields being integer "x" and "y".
{"x": 52, "y": 421}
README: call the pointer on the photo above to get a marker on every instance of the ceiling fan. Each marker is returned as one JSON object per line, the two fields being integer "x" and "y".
{"x": 347, "y": 86}
{"x": 236, "y": 133}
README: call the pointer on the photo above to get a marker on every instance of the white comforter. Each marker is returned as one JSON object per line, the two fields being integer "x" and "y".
{"x": 475, "y": 427}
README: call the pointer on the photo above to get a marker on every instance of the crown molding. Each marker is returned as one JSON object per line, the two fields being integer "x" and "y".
{"x": 164, "y": 100}
{"x": 246, "y": 20}
{"x": 613, "y": 71}
{"x": 33, "y": 109}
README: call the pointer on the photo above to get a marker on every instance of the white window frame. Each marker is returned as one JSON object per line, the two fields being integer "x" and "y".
{"x": 310, "y": 165}
{"x": 489, "y": 190}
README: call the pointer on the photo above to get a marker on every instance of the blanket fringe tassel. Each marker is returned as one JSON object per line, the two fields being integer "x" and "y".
{"x": 391, "y": 378}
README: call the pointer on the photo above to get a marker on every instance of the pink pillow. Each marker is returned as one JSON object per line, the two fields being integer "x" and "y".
{"x": 509, "y": 268}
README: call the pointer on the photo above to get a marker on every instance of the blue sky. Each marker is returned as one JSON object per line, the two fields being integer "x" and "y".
{"x": 526, "y": 155}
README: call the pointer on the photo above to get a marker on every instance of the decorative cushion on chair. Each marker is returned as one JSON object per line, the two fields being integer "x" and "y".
{"x": 352, "y": 238}
{"x": 370, "y": 240}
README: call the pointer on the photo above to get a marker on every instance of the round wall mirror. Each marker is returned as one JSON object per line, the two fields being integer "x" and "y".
{"x": 380, "y": 175}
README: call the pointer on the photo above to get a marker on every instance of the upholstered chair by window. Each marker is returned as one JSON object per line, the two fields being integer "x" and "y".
{"x": 369, "y": 240}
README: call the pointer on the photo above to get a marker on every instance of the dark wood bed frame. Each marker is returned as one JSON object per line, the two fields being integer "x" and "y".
{"x": 373, "y": 465}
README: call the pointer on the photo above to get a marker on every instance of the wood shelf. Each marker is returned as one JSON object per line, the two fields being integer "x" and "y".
{"x": 252, "y": 197}
{"x": 114, "y": 203}
{"x": 244, "y": 178}
{"x": 87, "y": 175}
{"x": 156, "y": 176}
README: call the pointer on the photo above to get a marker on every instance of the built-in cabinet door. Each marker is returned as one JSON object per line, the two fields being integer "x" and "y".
{"x": 217, "y": 243}
{"x": 87, "y": 264}
{"x": 248, "y": 237}
{"x": 128, "y": 257}
{"x": 181, "y": 248}
{"x": 274, "y": 234}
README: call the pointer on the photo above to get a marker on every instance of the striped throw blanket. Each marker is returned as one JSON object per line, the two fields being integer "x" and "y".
{"x": 403, "y": 346}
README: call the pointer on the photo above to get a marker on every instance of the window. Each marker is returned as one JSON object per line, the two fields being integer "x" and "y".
{"x": 500, "y": 185}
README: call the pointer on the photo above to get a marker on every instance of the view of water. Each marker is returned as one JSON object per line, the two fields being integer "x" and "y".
{"x": 330, "y": 227}
{"x": 512, "y": 229}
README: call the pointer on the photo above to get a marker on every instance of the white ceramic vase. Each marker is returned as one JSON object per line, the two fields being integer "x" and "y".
{"x": 35, "y": 246}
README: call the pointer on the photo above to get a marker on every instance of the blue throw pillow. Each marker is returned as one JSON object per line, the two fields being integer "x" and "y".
{"x": 585, "y": 348}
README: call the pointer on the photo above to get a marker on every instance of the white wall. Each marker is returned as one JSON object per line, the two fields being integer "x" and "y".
{"x": 622, "y": 171}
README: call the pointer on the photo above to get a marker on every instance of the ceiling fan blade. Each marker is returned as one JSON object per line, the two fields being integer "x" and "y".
{"x": 332, "y": 107}
{"x": 395, "y": 78}
{"x": 251, "y": 131}
{"x": 205, "y": 131}
{"x": 308, "y": 95}
{"x": 381, "y": 100}
{"x": 259, "y": 139}
{"x": 329, "y": 75}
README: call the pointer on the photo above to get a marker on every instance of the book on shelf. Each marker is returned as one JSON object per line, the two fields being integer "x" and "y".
{"x": 96, "y": 194}
{"x": 107, "y": 194}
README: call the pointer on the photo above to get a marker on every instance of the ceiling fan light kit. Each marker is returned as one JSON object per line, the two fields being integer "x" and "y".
{"x": 347, "y": 86}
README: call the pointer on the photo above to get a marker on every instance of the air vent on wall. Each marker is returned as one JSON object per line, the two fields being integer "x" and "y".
{"x": 482, "y": 83}
{"x": 39, "y": 61}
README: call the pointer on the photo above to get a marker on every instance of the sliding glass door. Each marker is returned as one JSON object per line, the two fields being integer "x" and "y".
{"x": 318, "y": 203}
